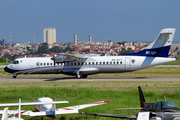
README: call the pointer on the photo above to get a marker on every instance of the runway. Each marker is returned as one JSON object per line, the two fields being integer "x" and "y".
{"x": 93, "y": 79}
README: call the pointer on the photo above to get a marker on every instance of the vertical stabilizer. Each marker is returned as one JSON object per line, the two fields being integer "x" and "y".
{"x": 141, "y": 97}
{"x": 5, "y": 114}
{"x": 161, "y": 46}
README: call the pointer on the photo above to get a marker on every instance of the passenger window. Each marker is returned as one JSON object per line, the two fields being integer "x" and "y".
{"x": 37, "y": 64}
{"x": 107, "y": 63}
{"x": 114, "y": 62}
{"x": 44, "y": 63}
{"x": 104, "y": 63}
{"x": 50, "y": 63}
{"x": 78, "y": 63}
{"x": 93, "y": 63}
{"x": 117, "y": 62}
{"x": 41, "y": 64}
{"x": 89, "y": 63}
{"x": 110, "y": 62}
{"x": 85, "y": 63}
{"x": 47, "y": 63}
{"x": 74, "y": 63}
{"x": 100, "y": 63}
{"x": 96, "y": 63}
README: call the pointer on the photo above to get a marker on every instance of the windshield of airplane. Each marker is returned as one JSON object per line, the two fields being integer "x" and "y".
{"x": 168, "y": 104}
{"x": 15, "y": 62}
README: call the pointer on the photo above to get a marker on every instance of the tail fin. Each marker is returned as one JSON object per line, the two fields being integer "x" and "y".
{"x": 161, "y": 46}
{"x": 141, "y": 97}
{"x": 5, "y": 114}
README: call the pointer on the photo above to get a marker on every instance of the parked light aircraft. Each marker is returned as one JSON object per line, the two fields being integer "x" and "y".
{"x": 83, "y": 65}
{"x": 51, "y": 111}
{"x": 5, "y": 113}
{"x": 162, "y": 110}
{"x": 45, "y": 106}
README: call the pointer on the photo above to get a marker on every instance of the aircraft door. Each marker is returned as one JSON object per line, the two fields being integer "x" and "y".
{"x": 127, "y": 63}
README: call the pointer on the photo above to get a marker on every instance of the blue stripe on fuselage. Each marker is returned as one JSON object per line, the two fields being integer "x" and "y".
{"x": 156, "y": 52}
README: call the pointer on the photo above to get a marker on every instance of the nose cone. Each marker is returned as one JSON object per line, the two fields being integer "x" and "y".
{"x": 8, "y": 70}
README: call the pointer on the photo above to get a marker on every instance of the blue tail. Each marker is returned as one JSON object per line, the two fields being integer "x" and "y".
{"x": 161, "y": 46}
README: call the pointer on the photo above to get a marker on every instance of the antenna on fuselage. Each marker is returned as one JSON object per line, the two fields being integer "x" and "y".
{"x": 165, "y": 98}
{"x": 157, "y": 100}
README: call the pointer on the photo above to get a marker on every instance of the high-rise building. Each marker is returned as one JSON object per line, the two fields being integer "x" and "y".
{"x": 90, "y": 38}
{"x": 50, "y": 36}
{"x": 75, "y": 39}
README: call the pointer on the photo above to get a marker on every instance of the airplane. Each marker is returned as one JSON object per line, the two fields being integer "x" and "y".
{"x": 87, "y": 64}
{"x": 51, "y": 111}
{"x": 162, "y": 110}
{"x": 45, "y": 106}
{"x": 5, "y": 113}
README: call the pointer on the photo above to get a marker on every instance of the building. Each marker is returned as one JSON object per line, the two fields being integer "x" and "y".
{"x": 75, "y": 39}
{"x": 50, "y": 36}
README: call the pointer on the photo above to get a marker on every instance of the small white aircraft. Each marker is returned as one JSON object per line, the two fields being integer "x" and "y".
{"x": 45, "y": 106}
{"x": 51, "y": 111}
{"x": 83, "y": 65}
{"x": 5, "y": 113}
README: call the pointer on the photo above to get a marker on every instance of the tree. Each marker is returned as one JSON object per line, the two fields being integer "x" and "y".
{"x": 43, "y": 48}
{"x": 128, "y": 51}
{"x": 56, "y": 49}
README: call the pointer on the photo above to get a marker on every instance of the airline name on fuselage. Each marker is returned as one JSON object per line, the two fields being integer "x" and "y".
{"x": 150, "y": 52}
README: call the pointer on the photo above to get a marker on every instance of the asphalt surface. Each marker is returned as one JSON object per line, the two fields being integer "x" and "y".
{"x": 73, "y": 79}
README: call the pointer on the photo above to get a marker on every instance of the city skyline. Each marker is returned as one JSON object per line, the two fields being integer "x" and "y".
{"x": 116, "y": 20}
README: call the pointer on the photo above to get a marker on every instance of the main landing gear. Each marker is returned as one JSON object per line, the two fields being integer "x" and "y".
{"x": 14, "y": 75}
{"x": 79, "y": 75}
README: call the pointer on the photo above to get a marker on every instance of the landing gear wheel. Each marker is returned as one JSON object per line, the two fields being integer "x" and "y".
{"x": 78, "y": 76}
{"x": 14, "y": 75}
{"x": 84, "y": 76}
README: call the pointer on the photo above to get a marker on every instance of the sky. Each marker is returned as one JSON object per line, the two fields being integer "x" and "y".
{"x": 115, "y": 20}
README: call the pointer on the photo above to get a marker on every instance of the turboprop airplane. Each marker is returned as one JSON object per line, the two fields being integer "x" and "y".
{"x": 83, "y": 65}
{"x": 163, "y": 110}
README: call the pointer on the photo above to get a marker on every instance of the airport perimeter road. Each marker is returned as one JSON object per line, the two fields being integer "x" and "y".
{"x": 3, "y": 66}
{"x": 73, "y": 79}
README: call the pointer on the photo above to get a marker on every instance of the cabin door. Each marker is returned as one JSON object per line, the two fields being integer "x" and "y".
{"x": 127, "y": 63}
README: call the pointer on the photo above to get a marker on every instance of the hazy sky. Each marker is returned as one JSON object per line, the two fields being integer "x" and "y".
{"x": 116, "y": 20}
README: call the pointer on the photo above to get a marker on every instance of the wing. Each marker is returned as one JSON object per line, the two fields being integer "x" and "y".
{"x": 129, "y": 109}
{"x": 74, "y": 109}
{"x": 111, "y": 115}
{"x": 23, "y": 112}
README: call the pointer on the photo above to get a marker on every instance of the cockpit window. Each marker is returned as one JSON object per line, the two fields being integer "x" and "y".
{"x": 168, "y": 104}
{"x": 15, "y": 62}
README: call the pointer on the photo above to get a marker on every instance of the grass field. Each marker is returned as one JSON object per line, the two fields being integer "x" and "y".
{"x": 121, "y": 94}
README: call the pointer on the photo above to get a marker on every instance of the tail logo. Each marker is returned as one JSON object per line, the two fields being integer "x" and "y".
{"x": 150, "y": 52}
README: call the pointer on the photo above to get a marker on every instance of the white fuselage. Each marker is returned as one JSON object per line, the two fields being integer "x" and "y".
{"x": 92, "y": 65}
